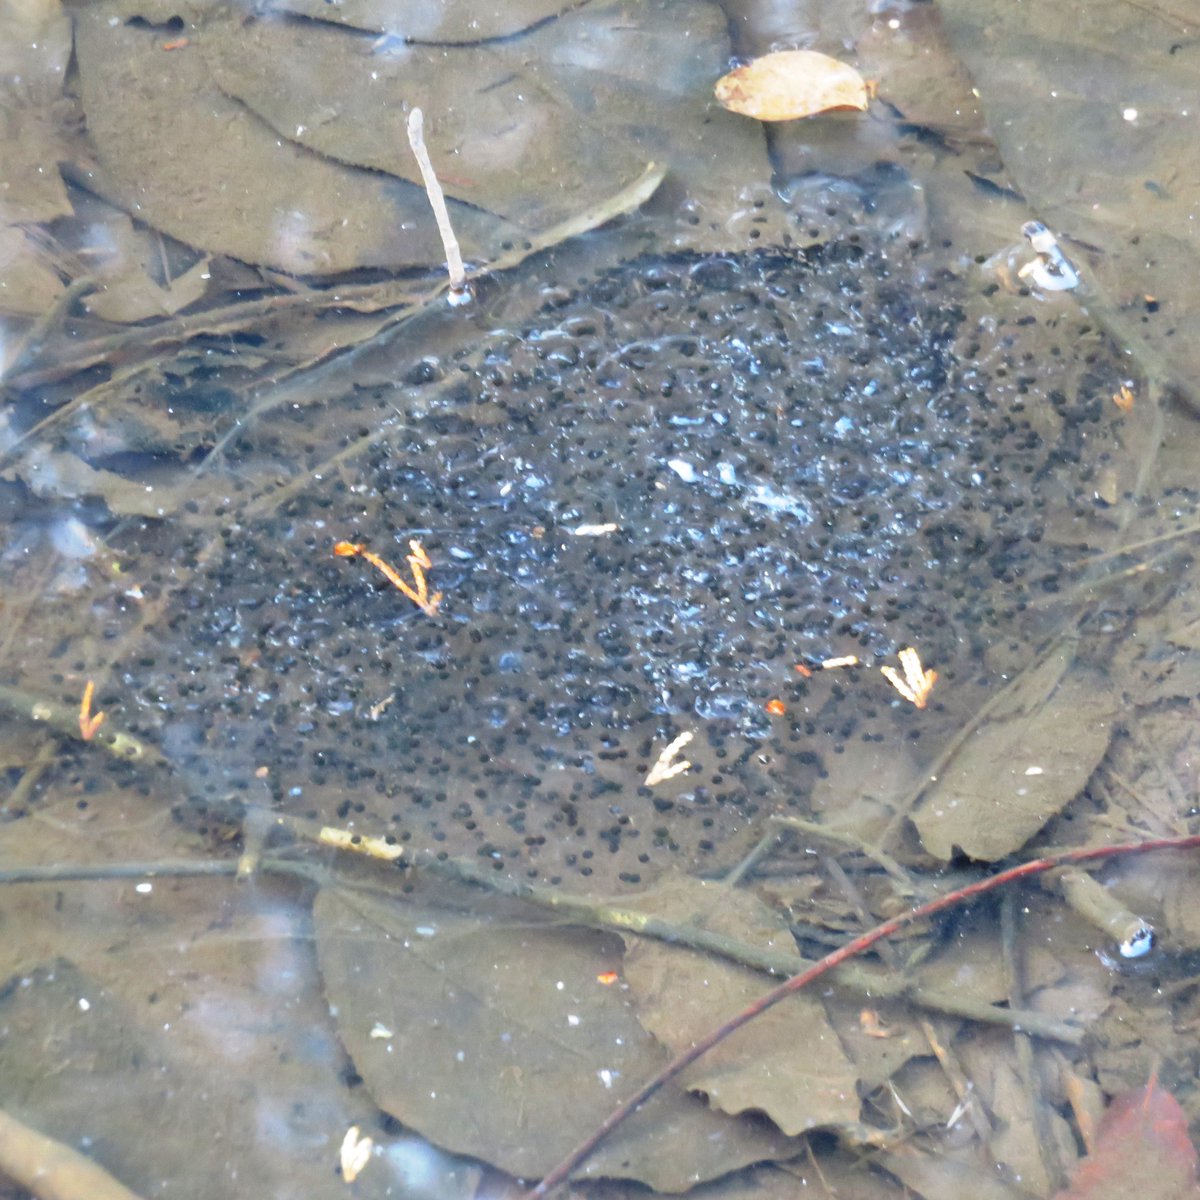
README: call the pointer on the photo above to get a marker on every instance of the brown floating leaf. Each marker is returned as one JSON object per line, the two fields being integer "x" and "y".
{"x": 1021, "y": 767}
{"x": 494, "y": 1038}
{"x": 789, "y": 1063}
{"x": 790, "y": 84}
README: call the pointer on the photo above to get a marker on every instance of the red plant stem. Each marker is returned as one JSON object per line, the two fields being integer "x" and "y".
{"x": 835, "y": 958}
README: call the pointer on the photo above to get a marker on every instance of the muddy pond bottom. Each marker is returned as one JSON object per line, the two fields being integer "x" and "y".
{"x": 687, "y": 476}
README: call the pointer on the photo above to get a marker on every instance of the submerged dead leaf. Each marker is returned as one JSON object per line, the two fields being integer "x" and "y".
{"x": 789, "y": 1063}
{"x": 29, "y": 283}
{"x": 310, "y": 172}
{"x": 525, "y": 1052}
{"x": 35, "y": 50}
{"x": 946, "y": 1174}
{"x": 1014, "y": 1138}
{"x": 232, "y": 185}
{"x": 1022, "y": 766}
{"x": 790, "y": 84}
{"x": 541, "y": 131}
{"x": 130, "y": 282}
{"x": 1142, "y": 1149}
{"x": 185, "y": 1115}
{"x": 1107, "y": 154}
{"x": 55, "y": 473}
{"x": 449, "y": 22}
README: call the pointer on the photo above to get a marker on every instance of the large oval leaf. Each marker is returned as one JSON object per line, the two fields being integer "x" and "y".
{"x": 495, "y": 1038}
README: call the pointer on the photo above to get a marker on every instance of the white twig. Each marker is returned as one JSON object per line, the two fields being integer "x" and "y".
{"x": 667, "y": 767}
{"x": 356, "y": 1153}
{"x": 460, "y": 292}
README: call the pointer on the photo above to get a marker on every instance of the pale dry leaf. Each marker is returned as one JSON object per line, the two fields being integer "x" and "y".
{"x": 790, "y": 84}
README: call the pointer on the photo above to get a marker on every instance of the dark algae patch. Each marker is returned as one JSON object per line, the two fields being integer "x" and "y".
{"x": 803, "y": 454}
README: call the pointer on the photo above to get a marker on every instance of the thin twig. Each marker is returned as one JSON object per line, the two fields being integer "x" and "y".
{"x": 165, "y": 868}
{"x": 1184, "y": 531}
{"x": 460, "y": 292}
{"x": 22, "y": 792}
{"x": 37, "y": 333}
{"x": 90, "y": 872}
{"x": 851, "y": 841}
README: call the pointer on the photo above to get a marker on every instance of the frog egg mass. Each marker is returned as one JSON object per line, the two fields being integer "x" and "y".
{"x": 643, "y": 509}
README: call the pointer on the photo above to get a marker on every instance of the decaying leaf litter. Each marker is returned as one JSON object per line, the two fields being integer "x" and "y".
{"x": 757, "y": 487}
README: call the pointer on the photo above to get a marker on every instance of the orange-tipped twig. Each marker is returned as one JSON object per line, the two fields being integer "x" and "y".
{"x": 418, "y": 564}
{"x": 89, "y": 722}
{"x": 851, "y": 949}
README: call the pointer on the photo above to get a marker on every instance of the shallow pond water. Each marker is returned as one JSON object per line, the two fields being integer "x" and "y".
{"x": 757, "y": 556}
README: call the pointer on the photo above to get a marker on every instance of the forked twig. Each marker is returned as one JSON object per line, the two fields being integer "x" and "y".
{"x": 418, "y": 564}
{"x": 66, "y": 721}
{"x": 856, "y": 946}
